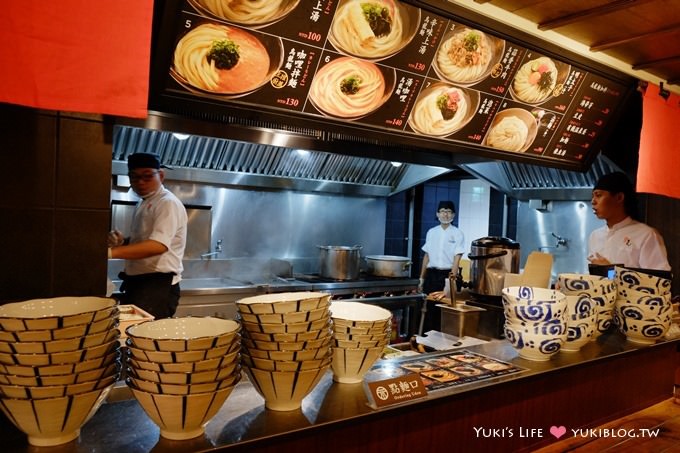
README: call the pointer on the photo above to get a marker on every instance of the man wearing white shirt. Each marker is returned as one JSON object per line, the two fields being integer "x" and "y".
{"x": 444, "y": 246}
{"x": 623, "y": 240}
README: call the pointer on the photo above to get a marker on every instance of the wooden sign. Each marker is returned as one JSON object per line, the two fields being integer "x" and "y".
{"x": 396, "y": 390}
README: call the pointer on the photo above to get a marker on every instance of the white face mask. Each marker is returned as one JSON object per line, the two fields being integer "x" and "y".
{"x": 444, "y": 219}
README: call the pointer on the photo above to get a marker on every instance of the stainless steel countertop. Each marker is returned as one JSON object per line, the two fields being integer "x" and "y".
{"x": 122, "y": 425}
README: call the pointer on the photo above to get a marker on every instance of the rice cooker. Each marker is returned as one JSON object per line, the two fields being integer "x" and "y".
{"x": 490, "y": 259}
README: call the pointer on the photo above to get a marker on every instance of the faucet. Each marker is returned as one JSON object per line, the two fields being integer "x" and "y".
{"x": 218, "y": 250}
{"x": 564, "y": 242}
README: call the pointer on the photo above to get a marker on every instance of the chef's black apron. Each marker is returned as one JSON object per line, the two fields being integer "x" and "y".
{"x": 435, "y": 279}
{"x": 153, "y": 293}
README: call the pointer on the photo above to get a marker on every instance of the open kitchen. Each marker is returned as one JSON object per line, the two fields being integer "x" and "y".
{"x": 304, "y": 200}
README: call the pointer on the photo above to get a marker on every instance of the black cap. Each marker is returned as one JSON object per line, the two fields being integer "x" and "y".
{"x": 616, "y": 182}
{"x": 144, "y": 160}
{"x": 446, "y": 205}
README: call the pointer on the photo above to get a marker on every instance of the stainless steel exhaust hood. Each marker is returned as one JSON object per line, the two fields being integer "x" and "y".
{"x": 532, "y": 182}
{"x": 223, "y": 161}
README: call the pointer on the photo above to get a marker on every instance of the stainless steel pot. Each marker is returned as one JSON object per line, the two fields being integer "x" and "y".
{"x": 339, "y": 262}
{"x": 490, "y": 259}
{"x": 388, "y": 265}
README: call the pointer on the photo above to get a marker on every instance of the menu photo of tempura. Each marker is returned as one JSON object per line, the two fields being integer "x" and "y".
{"x": 441, "y": 375}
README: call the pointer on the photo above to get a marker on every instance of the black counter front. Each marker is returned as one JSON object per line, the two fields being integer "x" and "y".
{"x": 606, "y": 379}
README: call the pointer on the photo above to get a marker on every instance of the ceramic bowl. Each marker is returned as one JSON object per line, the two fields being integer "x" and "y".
{"x": 53, "y": 421}
{"x": 198, "y": 377}
{"x": 181, "y": 417}
{"x": 630, "y": 294}
{"x": 284, "y": 302}
{"x": 358, "y": 314}
{"x": 284, "y": 390}
{"x": 291, "y": 327}
{"x": 535, "y": 346}
{"x": 182, "y": 389}
{"x": 361, "y": 337}
{"x": 290, "y": 337}
{"x": 54, "y": 391}
{"x": 584, "y": 283}
{"x": 284, "y": 365}
{"x": 287, "y": 318}
{"x": 532, "y": 295}
{"x": 306, "y": 354}
{"x": 62, "y": 333}
{"x": 580, "y": 330}
{"x": 645, "y": 308}
{"x": 581, "y": 304}
{"x": 381, "y": 330}
{"x": 186, "y": 367}
{"x": 184, "y": 356}
{"x": 183, "y": 334}
{"x": 351, "y": 364}
{"x": 50, "y": 347}
{"x": 534, "y": 312}
{"x": 61, "y": 379}
{"x": 643, "y": 331}
{"x": 59, "y": 358}
{"x": 604, "y": 301}
{"x": 641, "y": 281}
{"x": 358, "y": 344}
{"x": 287, "y": 346}
{"x": 65, "y": 368}
{"x": 58, "y": 312}
{"x": 605, "y": 321}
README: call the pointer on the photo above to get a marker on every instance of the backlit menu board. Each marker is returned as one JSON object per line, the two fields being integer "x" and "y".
{"x": 391, "y": 66}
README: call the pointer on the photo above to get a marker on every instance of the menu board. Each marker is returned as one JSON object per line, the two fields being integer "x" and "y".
{"x": 444, "y": 370}
{"x": 391, "y": 66}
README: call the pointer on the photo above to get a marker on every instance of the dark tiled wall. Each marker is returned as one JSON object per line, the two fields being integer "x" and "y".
{"x": 396, "y": 228}
{"x": 54, "y": 203}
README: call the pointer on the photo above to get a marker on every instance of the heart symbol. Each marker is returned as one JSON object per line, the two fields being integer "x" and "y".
{"x": 558, "y": 431}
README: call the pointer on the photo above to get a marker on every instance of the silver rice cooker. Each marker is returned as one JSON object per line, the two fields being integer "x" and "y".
{"x": 490, "y": 259}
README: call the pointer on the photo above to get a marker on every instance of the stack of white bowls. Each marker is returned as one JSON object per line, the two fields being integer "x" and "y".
{"x": 581, "y": 322}
{"x": 643, "y": 305}
{"x": 601, "y": 290}
{"x": 58, "y": 362}
{"x": 286, "y": 345}
{"x": 360, "y": 333}
{"x": 182, "y": 370}
{"x": 535, "y": 321}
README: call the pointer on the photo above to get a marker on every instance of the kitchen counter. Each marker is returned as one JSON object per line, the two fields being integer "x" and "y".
{"x": 606, "y": 379}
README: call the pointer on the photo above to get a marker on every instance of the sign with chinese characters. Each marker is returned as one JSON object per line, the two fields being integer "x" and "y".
{"x": 388, "y": 65}
{"x": 396, "y": 390}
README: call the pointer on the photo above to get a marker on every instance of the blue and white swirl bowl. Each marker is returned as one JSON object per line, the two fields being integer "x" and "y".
{"x": 628, "y": 279}
{"x": 535, "y": 321}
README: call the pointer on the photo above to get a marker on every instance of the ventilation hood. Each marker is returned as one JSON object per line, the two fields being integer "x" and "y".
{"x": 532, "y": 182}
{"x": 222, "y": 161}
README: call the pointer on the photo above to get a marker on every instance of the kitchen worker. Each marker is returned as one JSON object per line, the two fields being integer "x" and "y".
{"x": 153, "y": 253}
{"x": 623, "y": 240}
{"x": 444, "y": 246}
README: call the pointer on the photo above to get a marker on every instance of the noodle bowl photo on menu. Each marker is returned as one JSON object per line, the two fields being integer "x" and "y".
{"x": 467, "y": 56}
{"x": 350, "y": 88}
{"x": 220, "y": 59}
{"x": 254, "y": 13}
{"x": 373, "y": 29}
{"x": 539, "y": 79}
{"x": 512, "y": 129}
{"x": 442, "y": 109}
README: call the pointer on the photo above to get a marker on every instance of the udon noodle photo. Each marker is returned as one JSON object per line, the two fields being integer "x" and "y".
{"x": 441, "y": 110}
{"x": 467, "y": 56}
{"x": 373, "y": 29}
{"x": 247, "y": 12}
{"x": 535, "y": 80}
{"x": 221, "y": 59}
{"x": 349, "y": 88}
{"x": 512, "y": 130}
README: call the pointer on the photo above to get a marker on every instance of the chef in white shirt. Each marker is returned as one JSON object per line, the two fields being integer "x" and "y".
{"x": 444, "y": 246}
{"x": 623, "y": 240}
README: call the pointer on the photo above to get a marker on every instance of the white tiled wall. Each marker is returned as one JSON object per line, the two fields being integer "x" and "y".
{"x": 473, "y": 212}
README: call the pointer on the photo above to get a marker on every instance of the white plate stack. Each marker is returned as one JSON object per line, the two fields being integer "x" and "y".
{"x": 58, "y": 362}
{"x": 286, "y": 345}
{"x": 360, "y": 333}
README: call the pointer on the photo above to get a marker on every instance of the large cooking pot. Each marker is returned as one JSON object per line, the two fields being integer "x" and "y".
{"x": 339, "y": 262}
{"x": 388, "y": 265}
{"x": 490, "y": 259}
